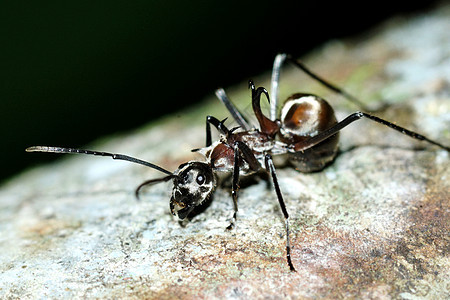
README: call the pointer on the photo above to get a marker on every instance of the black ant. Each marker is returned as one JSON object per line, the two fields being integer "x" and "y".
{"x": 307, "y": 132}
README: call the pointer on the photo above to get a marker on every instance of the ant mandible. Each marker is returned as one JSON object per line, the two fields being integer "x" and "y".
{"x": 307, "y": 131}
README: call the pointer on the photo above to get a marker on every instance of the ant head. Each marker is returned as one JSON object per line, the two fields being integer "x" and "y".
{"x": 193, "y": 183}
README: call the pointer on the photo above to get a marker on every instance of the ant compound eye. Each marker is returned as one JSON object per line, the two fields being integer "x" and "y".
{"x": 200, "y": 179}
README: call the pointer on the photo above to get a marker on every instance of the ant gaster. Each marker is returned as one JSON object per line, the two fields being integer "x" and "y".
{"x": 307, "y": 131}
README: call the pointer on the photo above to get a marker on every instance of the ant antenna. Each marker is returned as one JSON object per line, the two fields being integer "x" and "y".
{"x": 151, "y": 182}
{"x": 98, "y": 153}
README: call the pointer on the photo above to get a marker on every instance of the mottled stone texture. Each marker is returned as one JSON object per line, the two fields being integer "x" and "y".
{"x": 375, "y": 224}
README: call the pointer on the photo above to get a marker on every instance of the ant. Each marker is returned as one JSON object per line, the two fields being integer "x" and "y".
{"x": 306, "y": 130}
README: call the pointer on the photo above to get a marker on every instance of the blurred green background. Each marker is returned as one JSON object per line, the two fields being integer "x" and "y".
{"x": 73, "y": 71}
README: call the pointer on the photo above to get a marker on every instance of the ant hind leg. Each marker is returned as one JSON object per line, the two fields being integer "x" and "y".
{"x": 281, "y": 58}
{"x": 303, "y": 145}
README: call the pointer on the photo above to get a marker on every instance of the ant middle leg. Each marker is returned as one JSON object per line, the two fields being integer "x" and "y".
{"x": 271, "y": 169}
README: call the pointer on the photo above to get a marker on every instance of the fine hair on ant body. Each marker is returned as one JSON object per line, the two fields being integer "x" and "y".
{"x": 306, "y": 130}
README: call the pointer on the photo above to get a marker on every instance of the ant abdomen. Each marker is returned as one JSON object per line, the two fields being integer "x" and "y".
{"x": 302, "y": 117}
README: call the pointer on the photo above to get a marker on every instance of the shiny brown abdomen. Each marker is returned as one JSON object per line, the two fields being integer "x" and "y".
{"x": 302, "y": 117}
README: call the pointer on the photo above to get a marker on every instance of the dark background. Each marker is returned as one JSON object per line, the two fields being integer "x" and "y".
{"x": 71, "y": 72}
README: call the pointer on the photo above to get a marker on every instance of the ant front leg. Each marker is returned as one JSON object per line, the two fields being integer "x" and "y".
{"x": 271, "y": 169}
{"x": 303, "y": 145}
{"x": 235, "y": 186}
{"x": 235, "y": 113}
{"x": 240, "y": 148}
{"x": 219, "y": 126}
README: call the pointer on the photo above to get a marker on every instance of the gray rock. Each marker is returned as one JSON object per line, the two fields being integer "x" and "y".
{"x": 372, "y": 225}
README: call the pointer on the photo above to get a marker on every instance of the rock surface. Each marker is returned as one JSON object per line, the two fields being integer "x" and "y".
{"x": 375, "y": 224}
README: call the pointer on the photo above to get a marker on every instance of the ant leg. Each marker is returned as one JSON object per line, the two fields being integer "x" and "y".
{"x": 240, "y": 147}
{"x": 220, "y": 126}
{"x": 271, "y": 169}
{"x": 248, "y": 156}
{"x": 303, "y": 145}
{"x": 279, "y": 60}
{"x": 235, "y": 186}
{"x": 208, "y": 132}
{"x": 275, "y": 79}
{"x": 235, "y": 113}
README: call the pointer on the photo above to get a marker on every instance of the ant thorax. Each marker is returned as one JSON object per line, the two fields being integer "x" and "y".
{"x": 221, "y": 154}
